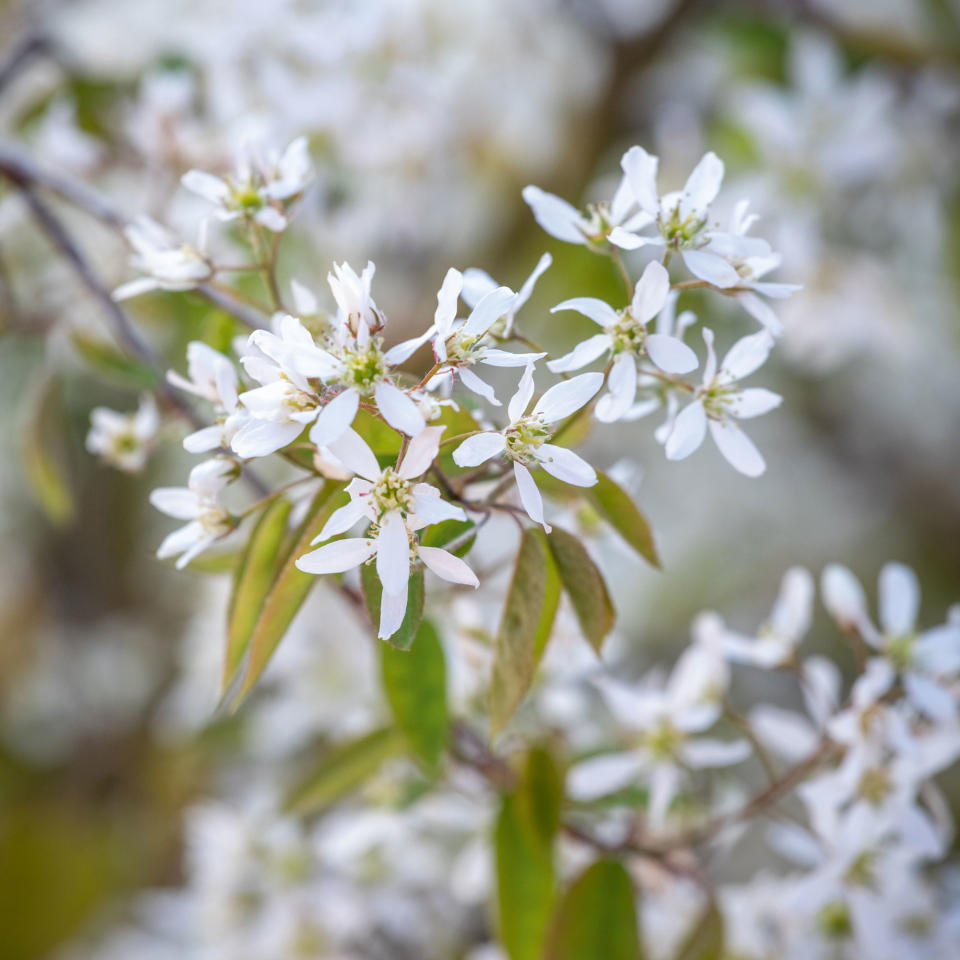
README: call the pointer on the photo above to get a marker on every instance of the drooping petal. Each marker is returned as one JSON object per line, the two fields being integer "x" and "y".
{"x": 567, "y": 397}
{"x": 179, "y": 540}
{"x": 258, "y": 438}
{"x": 478, "y": 449}
{"x": 393, "y": 553}
{"x": 708, "y": 266}
{"x": 355, "y": 454}
{"x": 337, "y": 557}
{"x": 737, "y": 448}
{"x": 421, "y": 452}
{"x": 529, "y": 495}
{"x": 689, "y": 429}
{"x": 566, "y": 465}
{"x": 622, "y": 384}
{"x": 599, "y": 311}
{"x": 554, "y": 215}
{"x": 650, "y": 293}
{"x": 444, "y": 564}
{"x": 521, "y": 399}
{"x": 583, "y": 353}
{"x": 670, "y": 354}
{"x": 899, "y": 599}
{"x": 334, "y": 418}
{"x": 478, "y": 385}
{"x": 640, "y": 168}
{"x": 604, "y": 774}
{"x": 702, "y": 186}
{"x": 754, "y": 403}
{"x": 398, "y": 409}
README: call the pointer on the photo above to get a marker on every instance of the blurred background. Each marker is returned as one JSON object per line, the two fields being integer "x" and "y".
{"x": 839, "y": 119}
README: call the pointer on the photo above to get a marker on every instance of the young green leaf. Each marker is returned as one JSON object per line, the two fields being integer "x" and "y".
{"x": 540, "y": 796}
{"x": 705, "y": 940}
{"x": 528, "y": 615}
{"x": 289, "y": 590}
{"x": 42, "y": 458}
{"x": 372, "y": 592}
{"x": 585, "y": 586}
{"x": 415, "y": 682}
{"x": 597, "y": 917}
{"x": 616, "y": 506}
{"x": 111, "y": 363}
{"x": 254, "y": 578}
{"x": 344, "y": 768}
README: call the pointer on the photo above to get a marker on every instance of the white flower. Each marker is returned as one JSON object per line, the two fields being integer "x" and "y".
{"x": 477, "y": 284}
{"x": 923, "y": 660}
{"x": 777, "y": 640}
{"x": 169, "y": 263}
{"x": 565, "y": 222}
{"x": 198, "y": 502}
{"x": 457, "y": 347}
{"x": 395, "y": 508}
{"x": 357, "y": 314}
{"x": 625, "y": 337}
{"x": 212, "y": 376}
{"x": 718, "y": 401}
{"x": 258, "y": 189}
{"x": 525, "y": 439}
{"x": 667, "y": 716}
{"x": 124, "y": 440}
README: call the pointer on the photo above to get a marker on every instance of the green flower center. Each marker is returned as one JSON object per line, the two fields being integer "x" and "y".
{"x": 875, "y": 786}
{"x": 899, "y": 651}
{"x": 834, "y": 921}
{"x": 717, "y": 399}
{"x": 392, "y": 492}
{"x": 365, "y": 369}
{"x": 663, "y": 742}
{"x": 861, "y": 872}
{"x": 462, "y": 349}
{"x": 628, "y": 334}
{"x": 525, "y": 436}
{"x": 682, "y": 234}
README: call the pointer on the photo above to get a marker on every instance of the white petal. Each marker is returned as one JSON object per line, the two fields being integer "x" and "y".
{"x": 746, "y": 355}
{"x": 421, "y": 452}
{"x": 272, "y": 219}
{"x": 793, "y": 609}
{"x": 180, "y": 540}
{"x": 710, "y": 267}
{"x": 523, "y": 294}
{"x": 651, "y": 291}
{"x": 204, "y": 440}
{"x": 604, "y": 774}
{"x": 899, "y": 599}
{"x": 931, "y": 698}
{"x": 444, "y": 564}
{"x": 529, "y": 495}
{"x": 664, "y": 780}
{"x": 714, "y": 753}
{"x": 583, "y": 353}
{"x": 176, "y": 502}
{"x": 429, "y": 507}
{"x": 702, "y": 186}
{"x": 622, "y": 383}
{"x": 504, "y": 358}
{"x": 566, "y": 465}
{"x": 478, "y": 449}
{"x": 567, "y": 397}
{"x": 842, "y": 595}
{"x": 688, "y": 431}
{"x": 554, "y": 215}
{"x": 206, "y": 185}
{"x": 393, "y": 553}
{"x": 476, "y": 285}
{"x": 521, "y": 399}
{"x": 640, "y": 168}
{"x": 403, "y": 351}
{"x": 623, "y": 238}
{"x": 599, "y": 311}
{"x": 737, "y": 448}
{"x": 762, "y": 312}
{"x": 670, "y": 354}
{"x": 478, "y": 385}
{"x": 258, "y": 438}
{"x": 341, "y": 520}
{"x": 337, "y": 557}
{"x": 355, "y": 454}
{"x": 754, "y": 403}
{"x": 393, "y": 608}
{"x": 334, "y": 418}
{"x": 490, "y": 309}
{"x": 398, "y": 409}
{"x": 447, "y": 297}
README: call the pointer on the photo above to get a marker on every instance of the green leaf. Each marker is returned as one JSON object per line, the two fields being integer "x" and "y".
{"x": 443, "y": 533}
{"x": 373, "y": 590}
{"x": 42, "y": 455}
{"x": 382, "y": 439}
{"x": 415, "y": 682}
{"x": 528, "y": 615}
{"x": 289, "y": 590}
{"x": 540, "y": 797}
{"x": 524, "y": 882}
{"x": 584, "y": 585}
{"x": 254, "y": 577}
{"x": 705, "y": 940}
{"x": 615, "y": 505}
{"x": 597, "y": 917}
{"x": 344, "y": 768}
{"x": 111, "y": 363}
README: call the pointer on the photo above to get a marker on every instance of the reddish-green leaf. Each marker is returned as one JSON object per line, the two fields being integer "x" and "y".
{"x": 616, "y": 506}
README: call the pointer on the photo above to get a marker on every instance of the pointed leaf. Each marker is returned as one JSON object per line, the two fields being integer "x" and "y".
{"x": 705, "y": 940}
{"x": 109, "y": 362}
{"x": 42, "y": 455}
{"x": 616, "y": 506}
{"x": 450, "y": 532}
{"x": 373, "y": 591}
{"x": 415, "y": 682}
{"x": 254, "y": 577}
{"x": 584, "y": 585}
{"x": 540, "y": 795}
{"x": 597, "y": 917}
{"x": 528, "y": 615}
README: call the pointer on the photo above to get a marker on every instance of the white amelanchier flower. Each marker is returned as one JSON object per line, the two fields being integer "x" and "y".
{"x": 124, "y": 440}
{"x": 168, "y": 262}
{"x": 212, "y": 376}
{"x": 719, "y": 401}
{"x": 395, "y": 507}
{"x": 626, "y": 339}
{"x": 925, "y": 661}
{"x": 664, "y": 720}
{"x": 526, "y": 438}
{"x": 458, "y": 346}
{"x": 478, "y": 283}
{"x": 199, "y": 504}
{"x": 259, "y": 189}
